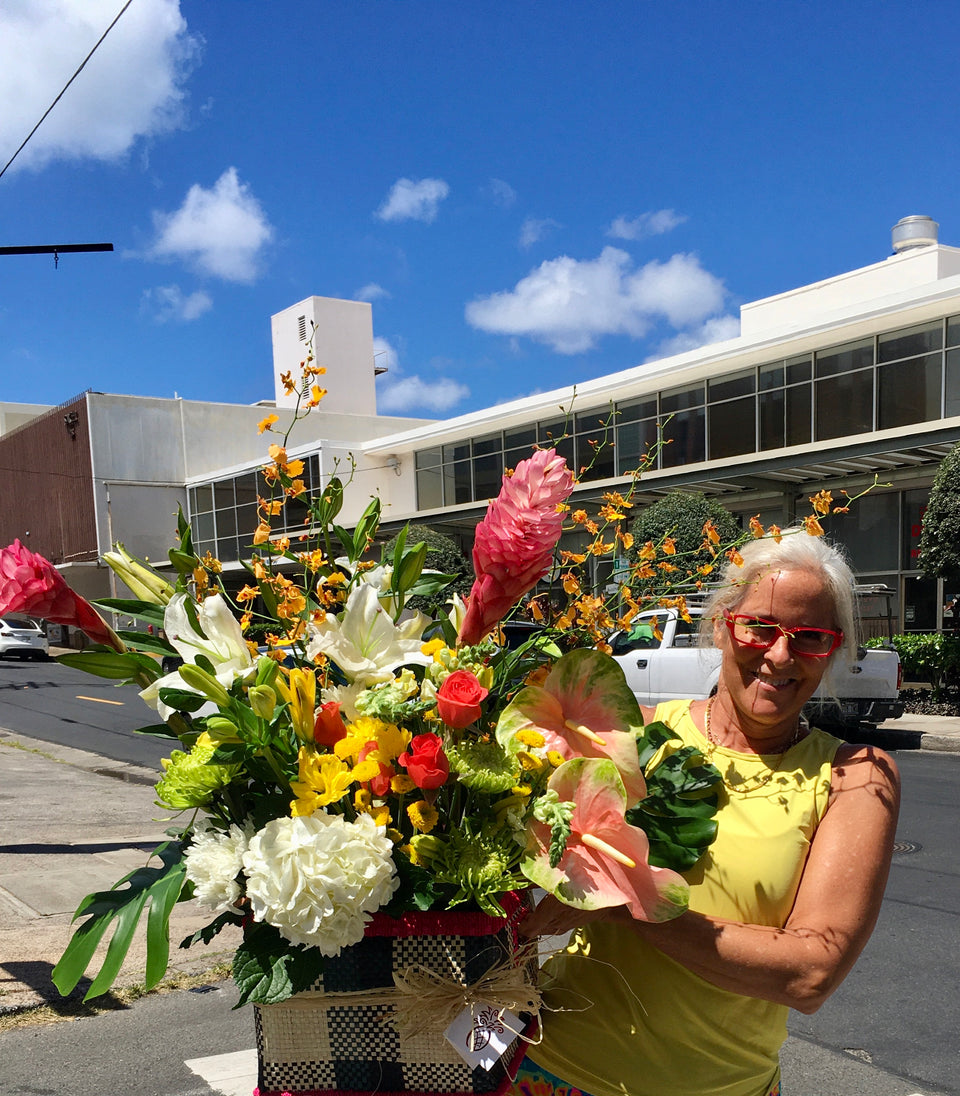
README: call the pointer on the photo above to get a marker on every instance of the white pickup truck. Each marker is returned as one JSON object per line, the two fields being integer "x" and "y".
{"x": 674, "y": 666}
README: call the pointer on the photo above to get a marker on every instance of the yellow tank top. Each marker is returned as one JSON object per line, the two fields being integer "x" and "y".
{"x": 632, "y": 1022}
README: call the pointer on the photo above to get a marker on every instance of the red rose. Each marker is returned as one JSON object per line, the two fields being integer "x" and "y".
{"x": 328, "y": 727}
{"x": 459, "y": 699}
{"x": 425, "y": 761}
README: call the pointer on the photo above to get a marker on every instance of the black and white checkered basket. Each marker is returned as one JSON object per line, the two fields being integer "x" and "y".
{"x": 315, "y": 1045}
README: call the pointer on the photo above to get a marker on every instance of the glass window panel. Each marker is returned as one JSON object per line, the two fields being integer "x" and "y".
{"x": 247, "y": 521}
{"x": 593, "y": 422}
{"x": 223, "y": 494}
{"x": 909, "y": 391}
{"x": 910, "y": 341}
{"x": 636, "y": 409}
{"x": 564, "y": 449}
{"x": 952, "y": 384}
{"x": 844, "y": 405}
{"x": 204, "y": 498}
{"x": 685, "y": 435}
{"x": 771, "y": 376}
{"x": 798, "y": 369}
{"x": 600, "y": 461}
{"x": 520, "y": 439}
{"x": 296, "y": 512}
{"x": 429, "y": 489}
{"x": 246, "y": 489}
{"x": 634, "y": 441}
{"x": 733, "y": 428}
{"x": 841, "y": 359}
{"x": 513, "y": 456}
{"x": 549, "y": 432}
{"x": 487, "y": 476}
{"x": 797, "y": 417}
{"x": 226, "y": 523}
{"x": 202, "y": 526}
{"x": 953, "y": 331}
{"x": 914, "y": 507}
{"x": 771, "y": 420}
{"x": 737, "y": 384}
{"x": 313, "y": 466}
{"x": 492, "y": 443}
{"x": 920, "y": 603}
{"x": 456, "y": 451}
{"x": 428, "y": 458}
{"x": 228, "y": 550}
{"x": 680, "y": 398}
{"x": 457, "y": 483}
{"x": 869, "y": 532}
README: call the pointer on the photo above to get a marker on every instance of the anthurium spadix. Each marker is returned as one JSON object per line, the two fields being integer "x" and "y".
{"x": 583, "y": 851}
{"x": 584, "y": 709}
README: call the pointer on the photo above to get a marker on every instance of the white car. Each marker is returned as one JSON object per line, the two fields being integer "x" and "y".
{"x": 23, "y": 637}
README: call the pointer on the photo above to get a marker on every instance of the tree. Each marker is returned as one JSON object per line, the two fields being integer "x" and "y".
{"x": 444, "y": 555}
{"x": 940, "y": 537}
{"x": 680, "y": 516}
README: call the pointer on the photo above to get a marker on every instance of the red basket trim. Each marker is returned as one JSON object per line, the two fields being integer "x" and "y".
{"x": 448, "y": 922}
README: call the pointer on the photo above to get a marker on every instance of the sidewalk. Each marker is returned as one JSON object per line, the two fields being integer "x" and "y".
{"x": 73, "y": 822}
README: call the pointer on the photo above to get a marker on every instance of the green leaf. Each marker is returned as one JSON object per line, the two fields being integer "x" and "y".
{"x": 158, "y": 730}
{"x": 366, "y": 527}
{"x": 654, "y": 736}
{"x": 328, "y": 505}
{"x": 109, "y": 664}
{"x": 208, "y": 932}
{"x": 121, "y": 909}
{"x": 268, "y": 969}
{"x": 144, "y": 642}
{"x": 141, "y": 610}
{"x": 182, "y": 699}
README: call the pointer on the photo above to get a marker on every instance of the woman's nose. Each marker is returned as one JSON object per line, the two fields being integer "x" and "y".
{"x": 779, "y": 650}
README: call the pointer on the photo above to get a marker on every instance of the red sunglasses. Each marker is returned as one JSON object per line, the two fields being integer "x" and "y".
{"x": 753, "y": 631}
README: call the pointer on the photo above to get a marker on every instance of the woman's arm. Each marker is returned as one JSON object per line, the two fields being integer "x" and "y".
{"x": 834, "y": 913}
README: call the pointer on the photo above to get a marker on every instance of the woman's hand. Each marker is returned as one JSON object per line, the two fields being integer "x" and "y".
{"x": 554, "y": 918}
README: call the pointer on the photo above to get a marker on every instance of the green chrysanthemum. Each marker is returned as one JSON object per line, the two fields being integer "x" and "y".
{"x": 485, "y": 766}
{"x": 189, "y": 780}
{"x": 482, "y": 865}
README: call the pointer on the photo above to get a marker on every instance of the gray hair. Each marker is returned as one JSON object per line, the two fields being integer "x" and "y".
{"x": 797, "y": 551}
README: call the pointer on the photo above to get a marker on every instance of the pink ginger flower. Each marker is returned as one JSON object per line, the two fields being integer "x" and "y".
{"x": 515, "y": 541}
{"x": 31, "y": 584}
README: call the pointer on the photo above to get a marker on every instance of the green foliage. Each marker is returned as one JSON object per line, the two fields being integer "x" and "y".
{"x": 681, "y": 516}
{"x": 939, "y": 543}
{"x": 443, "y": 555}
{"x": 161, "y": 887}
{"x": 268, "y": 969}
{"x": 930, "y": 657}
{"x": 677, "y": 814}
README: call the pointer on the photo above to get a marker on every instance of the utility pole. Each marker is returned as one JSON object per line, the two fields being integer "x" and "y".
{"x": 56, "y": 250}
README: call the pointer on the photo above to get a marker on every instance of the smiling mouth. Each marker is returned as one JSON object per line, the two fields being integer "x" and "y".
{"x": 773, "y": 682}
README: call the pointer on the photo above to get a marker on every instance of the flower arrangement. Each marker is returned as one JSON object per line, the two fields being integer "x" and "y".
{"x": 370, "y": 759}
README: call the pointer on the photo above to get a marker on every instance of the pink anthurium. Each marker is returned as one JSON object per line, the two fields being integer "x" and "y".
{"x": 604, "y": 858}
{"x": 584, "y": 709}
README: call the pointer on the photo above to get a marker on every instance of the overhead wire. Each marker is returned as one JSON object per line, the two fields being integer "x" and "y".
{"x": 65, "y": 86}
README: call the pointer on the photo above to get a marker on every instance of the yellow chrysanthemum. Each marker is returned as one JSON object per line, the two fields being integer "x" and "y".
{"x": 529, "y": 762}
{"x": 423, "y": 816}
{"x": 529, "y": 737}
{"x": 401, "y": 784}
{"x": 556, "y": 759}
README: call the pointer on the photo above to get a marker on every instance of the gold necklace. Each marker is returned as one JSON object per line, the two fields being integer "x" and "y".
{"x": 733, "y": 779}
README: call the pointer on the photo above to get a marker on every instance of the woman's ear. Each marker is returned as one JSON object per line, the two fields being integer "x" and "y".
{"x": 719, "y": 627}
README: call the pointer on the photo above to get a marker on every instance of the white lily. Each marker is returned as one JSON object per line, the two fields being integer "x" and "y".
{"x": 222, "y": 642}
{"x": 365, "y": 644}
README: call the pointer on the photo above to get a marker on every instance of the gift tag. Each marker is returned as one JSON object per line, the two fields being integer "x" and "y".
{"x": 482, "y": 1035}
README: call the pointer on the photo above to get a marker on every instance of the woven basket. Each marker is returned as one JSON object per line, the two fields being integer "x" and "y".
{"x": 322, "y": 1044}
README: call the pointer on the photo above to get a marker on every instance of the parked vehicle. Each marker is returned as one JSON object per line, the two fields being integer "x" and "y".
{"x": 667, "y": 663}
{"x": 22, "y": 637}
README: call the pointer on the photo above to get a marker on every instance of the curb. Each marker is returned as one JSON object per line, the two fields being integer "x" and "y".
{"x": 80, "y": 759}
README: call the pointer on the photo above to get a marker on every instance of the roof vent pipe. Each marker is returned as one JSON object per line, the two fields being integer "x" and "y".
{"x": 911, "y": 232}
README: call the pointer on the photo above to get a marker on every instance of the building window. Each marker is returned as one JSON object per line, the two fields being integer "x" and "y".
{"x": 909, "y": 391}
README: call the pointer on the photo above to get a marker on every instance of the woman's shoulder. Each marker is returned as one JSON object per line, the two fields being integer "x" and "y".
{"x": 858, "y": 766}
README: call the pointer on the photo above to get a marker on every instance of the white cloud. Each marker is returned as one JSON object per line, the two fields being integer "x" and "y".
{"x": 397, "y": 394}
{"x": 413, "y": 200}
{"x": 409, "y": 393}
{"x": 132, "y": 86}
{"x": 716, "y": 329}
{"x": 371, "y": 292}
{"x": 569, "y": 304}
{"x": 220, "y": 231}
{"x": 533, "y": 230}
{"x": 169, "y": 302}
{"x": 502, "y": 193}
{"x": 647, "y": 224}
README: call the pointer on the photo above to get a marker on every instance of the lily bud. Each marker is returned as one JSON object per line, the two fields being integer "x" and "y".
{"x": 222, "y": 730}
{"x": 144, "y": 583}
{"x": 263, "y": 700}
{"x": 267, "y": 670}
{"x": 204, "y": 683}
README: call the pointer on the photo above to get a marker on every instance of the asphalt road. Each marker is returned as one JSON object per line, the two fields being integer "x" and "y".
{"x": 57, "y": 704}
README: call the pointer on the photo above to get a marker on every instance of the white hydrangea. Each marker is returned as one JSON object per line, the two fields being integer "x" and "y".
{"x": 213, "y": 862}
{"x": 317, "y": 878}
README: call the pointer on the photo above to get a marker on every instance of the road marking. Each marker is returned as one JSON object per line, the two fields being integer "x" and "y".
{"x": 227, "y": 1074}
{"x": 100, "y": 700}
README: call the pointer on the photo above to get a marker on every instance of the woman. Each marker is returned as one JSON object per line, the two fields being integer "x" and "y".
{"x": 784, "y": 900}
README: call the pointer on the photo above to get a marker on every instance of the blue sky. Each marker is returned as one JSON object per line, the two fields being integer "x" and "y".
{"x": 530, "y": 194}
